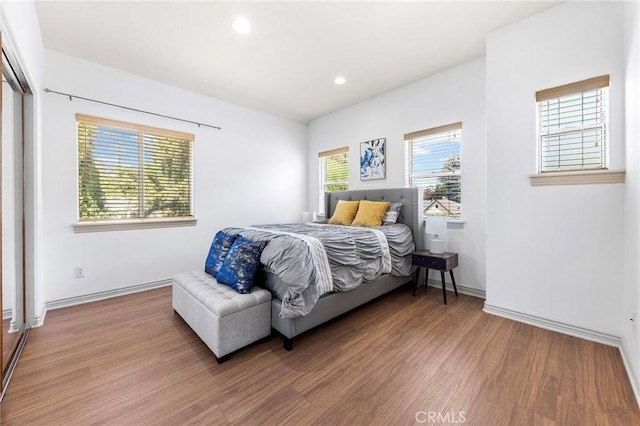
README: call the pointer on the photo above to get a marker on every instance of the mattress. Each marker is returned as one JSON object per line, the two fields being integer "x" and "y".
{"x": 302, "y": 262}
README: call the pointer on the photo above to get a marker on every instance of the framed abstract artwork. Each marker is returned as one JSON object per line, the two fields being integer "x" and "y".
{"x": 373, "y": 163}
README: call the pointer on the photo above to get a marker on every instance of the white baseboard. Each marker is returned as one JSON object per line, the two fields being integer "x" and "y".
{"x": 7, "y": 314}
{"x": 631, "y": 371}
{"x": 94, "y": 297}
{"x": 38, "y": 321}
{"x": 605, "y": 338}
{"x": 469, "y": 291}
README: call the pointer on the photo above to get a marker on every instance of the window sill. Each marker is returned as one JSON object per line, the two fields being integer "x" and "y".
{"x": 455, "y": 224}
{"x": 125, "y": 225}
{"x": 577, "y": 178}
{"x": 452, "y": 223}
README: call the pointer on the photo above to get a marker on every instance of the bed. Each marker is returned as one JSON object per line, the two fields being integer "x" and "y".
{"x": 333, "y": 304}
{"x": 316, "y": 272}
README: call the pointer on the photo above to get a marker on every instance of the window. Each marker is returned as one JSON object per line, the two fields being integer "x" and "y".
{"x": 572, "y": 126}
{"x": 433, "y": 162}
{"x": 132, "y": 172}
{"x": 334, "y": 172}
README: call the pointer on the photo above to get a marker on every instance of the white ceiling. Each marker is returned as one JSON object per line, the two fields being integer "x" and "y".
{"x": 286, "y": 65}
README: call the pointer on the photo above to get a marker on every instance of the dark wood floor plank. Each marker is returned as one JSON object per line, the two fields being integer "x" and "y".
{"x": 131, "y": 360}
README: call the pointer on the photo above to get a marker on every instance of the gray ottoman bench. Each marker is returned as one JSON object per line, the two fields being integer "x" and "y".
{"x": 224, "y": 319}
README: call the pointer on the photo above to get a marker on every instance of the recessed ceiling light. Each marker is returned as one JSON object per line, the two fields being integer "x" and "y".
{"x": 340, "y": 80}
{"x": 241, "y": 25}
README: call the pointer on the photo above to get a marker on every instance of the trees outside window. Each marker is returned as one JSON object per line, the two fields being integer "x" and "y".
{"x": 127, "y": 171}
{"x": 334, "y": 172}
{"x": 433, "y": 162}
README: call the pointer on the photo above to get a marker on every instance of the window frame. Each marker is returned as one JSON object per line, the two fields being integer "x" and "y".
{"x": 445, "y": 131}
{"x": 322, "y": 156}
{"x": 576, "y": 176}
{"x": 116, "y": 224}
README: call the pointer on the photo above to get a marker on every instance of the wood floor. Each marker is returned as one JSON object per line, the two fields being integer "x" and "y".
{"x": 399, "y": 360}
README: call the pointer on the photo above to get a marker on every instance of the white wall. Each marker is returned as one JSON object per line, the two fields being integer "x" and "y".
{"x": 448, "y": 97}
{"x": 554, "y": 252}
{"x": 21, "y": 31}
{"x": 251, "y": 171}
{"x": 575, "y": 279}
{"x": 631, "y": 291}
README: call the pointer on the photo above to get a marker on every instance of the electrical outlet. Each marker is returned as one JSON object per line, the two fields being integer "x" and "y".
{"x": 79, "y": 272}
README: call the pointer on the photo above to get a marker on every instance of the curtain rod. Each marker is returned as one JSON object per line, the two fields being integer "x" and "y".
{"x": 132, "y": 109}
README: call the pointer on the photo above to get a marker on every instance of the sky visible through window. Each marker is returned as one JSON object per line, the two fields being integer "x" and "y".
{"x": 431, "y": 157}
{"x": 124, "y": 142}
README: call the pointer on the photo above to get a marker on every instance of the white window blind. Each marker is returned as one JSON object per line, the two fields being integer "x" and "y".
{"x": 432, "y": 161}
{"x": 128, "y": 171}
{"x": 334, "y": 172}
{"x": 572, "y": 126}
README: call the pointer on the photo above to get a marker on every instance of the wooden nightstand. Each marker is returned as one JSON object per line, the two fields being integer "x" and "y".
{"x": 444, "y": 262}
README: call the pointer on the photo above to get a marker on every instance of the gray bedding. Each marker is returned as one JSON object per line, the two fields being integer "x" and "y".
{"x": 354, "y": 255}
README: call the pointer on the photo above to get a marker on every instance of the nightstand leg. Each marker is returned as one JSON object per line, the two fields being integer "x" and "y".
{"x": 444, "y": 290}
{"x": 426, "y": 279}
{"x": 416, "y": 278}
{"x": 453, "y": 280}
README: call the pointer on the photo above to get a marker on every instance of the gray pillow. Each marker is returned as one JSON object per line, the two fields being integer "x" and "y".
{"x": 392, "y": 214}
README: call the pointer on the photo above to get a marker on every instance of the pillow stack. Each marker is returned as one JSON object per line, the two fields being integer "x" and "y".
{"x": 234, "y": 260}
{"x": 370, "y": 213}
{"x": 345, "y": 212}
{"x": 392, "y": 214}
{"x": 219, "y": 250}
{"x": 365, "y": 213}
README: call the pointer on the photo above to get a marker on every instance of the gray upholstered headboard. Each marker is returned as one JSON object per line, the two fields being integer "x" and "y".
{"x": 410, "y": 214}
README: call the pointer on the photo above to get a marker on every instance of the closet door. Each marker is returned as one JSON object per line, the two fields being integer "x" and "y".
{"x": 3, "y": 345}
{"x": 11, "y": 232}
{"x": 12, "y": 254}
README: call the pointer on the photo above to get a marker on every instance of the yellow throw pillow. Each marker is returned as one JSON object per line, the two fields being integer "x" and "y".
{"x": 370, "y": 213}
{"x": 345, "y": 212}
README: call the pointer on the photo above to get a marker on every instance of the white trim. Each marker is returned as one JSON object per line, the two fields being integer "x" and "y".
{"x": 7, "y": 314}
{"x": 12, "y": 326}
{"x": 451, "y": 223}
{"x": 469, "y": 291}
{"x": 94, "y": 297}
{"x": 631, "y": 371}
{"x": 455, "y": 224}
{"x": 112, "y": 225}
{"x": 597, "y": 336}
{"x": 39, "y": 321}
{"x": 582, "y": 177}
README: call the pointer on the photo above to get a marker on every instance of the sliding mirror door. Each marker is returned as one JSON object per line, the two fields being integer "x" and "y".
{"x": 12, "y": 277}
{"x": 12, "y": 229}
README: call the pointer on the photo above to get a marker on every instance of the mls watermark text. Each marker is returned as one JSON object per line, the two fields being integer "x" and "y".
{"x": 448, "y": 417}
